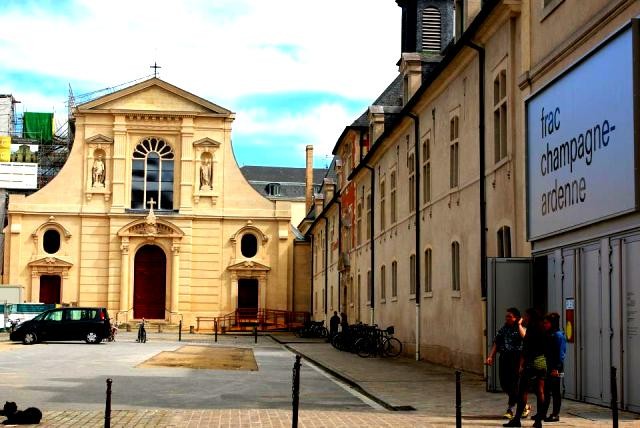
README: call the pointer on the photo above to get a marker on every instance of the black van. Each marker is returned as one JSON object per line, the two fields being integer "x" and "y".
{"x": 88, "y": 324}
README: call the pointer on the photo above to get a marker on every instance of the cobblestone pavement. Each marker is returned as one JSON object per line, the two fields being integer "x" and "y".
{"x": 392, "y": 382}
{"x": 275, "y": 419}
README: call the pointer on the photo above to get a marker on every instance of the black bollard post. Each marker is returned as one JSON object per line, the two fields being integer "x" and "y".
{"x": 614, "y": 397}
{"x": 107, "y": 409}
{"x": 458, "y": 401}
{"x": 215, "y": 330}
{"x": 180, "y": 331}
{"x": 296, "y": 391}
{"x": 255, "y": 334}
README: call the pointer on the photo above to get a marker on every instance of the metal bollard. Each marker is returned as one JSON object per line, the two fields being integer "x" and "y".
{"x": 180, "y": 331}
{"x": 614, "y": 397}
{"x": 107, "y": 409}
{"x": 255, "y": 334}
{"x": 215, "y": 330}
{"x": 192, "y": 330}
{"x": 458, "y": 400}
{"x": 296, "y": 391}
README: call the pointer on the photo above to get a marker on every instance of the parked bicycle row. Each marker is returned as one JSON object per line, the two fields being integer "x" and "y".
{"x": 312, "y": 329}
{"x": 367, "y": 341}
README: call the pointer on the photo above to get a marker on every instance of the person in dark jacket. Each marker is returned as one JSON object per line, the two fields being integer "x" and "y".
{"x": 334, "y": 322}
{"x": 533, "y": 367}
{"x": 556, "y": 350}
{"x": 344, "y": 323}
{"x": 508, "y": 342}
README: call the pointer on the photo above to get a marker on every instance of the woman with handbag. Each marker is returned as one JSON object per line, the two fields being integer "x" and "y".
{"x": 533, "y": 366}
{"x": 556, "y": 350}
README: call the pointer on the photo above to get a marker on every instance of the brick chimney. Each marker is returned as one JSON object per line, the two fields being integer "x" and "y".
{"x": 309, "y": 179}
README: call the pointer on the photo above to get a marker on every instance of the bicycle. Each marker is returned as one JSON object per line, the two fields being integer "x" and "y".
{"x": 142, "y": 333}
{"x": 379, "y": 342}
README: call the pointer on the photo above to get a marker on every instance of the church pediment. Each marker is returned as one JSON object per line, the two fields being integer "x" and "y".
{"x": 151, "y": 227}
{"x": 249, "y": 265}
{"x": 154, "y": 95}
{"x": 206, "y": 142}
{"x": 50, "y": 262}
{"x": 99, "y": 138}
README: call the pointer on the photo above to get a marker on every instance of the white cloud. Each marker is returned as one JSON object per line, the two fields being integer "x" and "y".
{"x": 220, "y": 50}
{"x": 319, "y": 126}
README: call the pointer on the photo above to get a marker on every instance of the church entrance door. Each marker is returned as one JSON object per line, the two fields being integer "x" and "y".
{"x": 248, "y": 297}
{"x": 149, "y": 283}
{"x": 50, "y": 289}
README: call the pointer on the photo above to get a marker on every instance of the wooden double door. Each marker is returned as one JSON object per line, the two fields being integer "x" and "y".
{"x": 149, "y": 283}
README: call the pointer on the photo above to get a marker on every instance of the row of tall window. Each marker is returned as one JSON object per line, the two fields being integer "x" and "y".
{"x": 500, "y": 109}
{"x": 503, "y": 250}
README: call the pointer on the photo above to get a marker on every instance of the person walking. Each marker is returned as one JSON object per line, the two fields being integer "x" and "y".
{"x": 344, "y": 324}
{"x": 533, "y": 367}
{"x": 556, "y": 351}
{"x": 508, "y": 342}
{"x": 334, "y": 321}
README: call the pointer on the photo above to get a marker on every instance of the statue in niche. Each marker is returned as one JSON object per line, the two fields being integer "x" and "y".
{"x": 98, "y": 172}
{"x": 205, "y": 174}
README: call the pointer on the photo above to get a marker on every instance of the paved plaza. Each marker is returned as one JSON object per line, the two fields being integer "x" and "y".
{"x": 67, "y": 381}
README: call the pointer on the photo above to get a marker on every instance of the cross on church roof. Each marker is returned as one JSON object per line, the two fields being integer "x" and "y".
{"x": 155, "y": 67}
{"x": 152, "y": 203}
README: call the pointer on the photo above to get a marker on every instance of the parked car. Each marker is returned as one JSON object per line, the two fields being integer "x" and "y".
{"x": 89, "y": 324}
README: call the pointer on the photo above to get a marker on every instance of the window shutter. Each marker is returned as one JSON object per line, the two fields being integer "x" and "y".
{"x": 431, "y": 24}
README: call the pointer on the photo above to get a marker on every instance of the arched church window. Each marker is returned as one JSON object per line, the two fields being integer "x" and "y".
{"x": 249, "y": 245}
{"x": 51, "y": 241}
{"x": 152, "y": 175}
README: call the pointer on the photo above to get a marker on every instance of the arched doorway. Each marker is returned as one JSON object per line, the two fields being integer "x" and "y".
{"x": 49, "y": 289}
{"x": 149, "y": 283}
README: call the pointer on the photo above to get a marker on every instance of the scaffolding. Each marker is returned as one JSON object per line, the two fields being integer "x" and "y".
{"x": 52, "y": 154}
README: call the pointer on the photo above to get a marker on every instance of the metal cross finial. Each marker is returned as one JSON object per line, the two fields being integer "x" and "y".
{"x": 152, "y": 203}
{"x": 155, "y": 67}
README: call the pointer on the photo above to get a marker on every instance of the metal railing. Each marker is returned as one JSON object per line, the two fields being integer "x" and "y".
{"x": 245, "y": 319}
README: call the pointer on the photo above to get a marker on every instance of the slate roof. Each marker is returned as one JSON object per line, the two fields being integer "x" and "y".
{"x": 392, "y": 95}
{"x": 291, "y": 180}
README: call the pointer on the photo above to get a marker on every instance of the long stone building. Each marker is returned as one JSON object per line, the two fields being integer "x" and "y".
{"x": 496, "y": 170}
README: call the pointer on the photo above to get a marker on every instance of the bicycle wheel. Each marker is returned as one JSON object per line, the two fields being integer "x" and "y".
{"x": 336, "y": 341}
{"x": 364, "y": 347}
{"x": 392, "y": 347}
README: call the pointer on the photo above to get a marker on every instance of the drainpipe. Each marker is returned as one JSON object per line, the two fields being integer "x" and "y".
{"x": 483, "y": 204}
{"x": 372, "y": 242}
{"x": 416, "y": 130}
{"x": 313, "y": 271}
{"x": 326, "y": 261}
{"x": 339, "y": 251}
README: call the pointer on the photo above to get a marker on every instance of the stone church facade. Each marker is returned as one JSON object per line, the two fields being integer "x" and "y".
{"x": 151, "y": 216}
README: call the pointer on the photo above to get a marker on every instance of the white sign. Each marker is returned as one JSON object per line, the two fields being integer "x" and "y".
{"x": 580, "y": 143}
{"x": 18, "y": 175}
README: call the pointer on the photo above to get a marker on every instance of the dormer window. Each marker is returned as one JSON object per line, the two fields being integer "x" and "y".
{"x": 431, "y": 29}
{"x": 273, "y": 189}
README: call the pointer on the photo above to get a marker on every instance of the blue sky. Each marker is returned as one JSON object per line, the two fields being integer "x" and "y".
{"x": 294, "y": 72}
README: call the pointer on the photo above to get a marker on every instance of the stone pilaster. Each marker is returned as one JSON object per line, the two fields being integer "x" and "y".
{"x": 187, "y": 165}
{"x": 120, "y": 155}
{"x": 124, "y": 275}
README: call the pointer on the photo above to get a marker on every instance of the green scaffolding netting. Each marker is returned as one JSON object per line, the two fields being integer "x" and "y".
{"x": 38, "y": 126}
